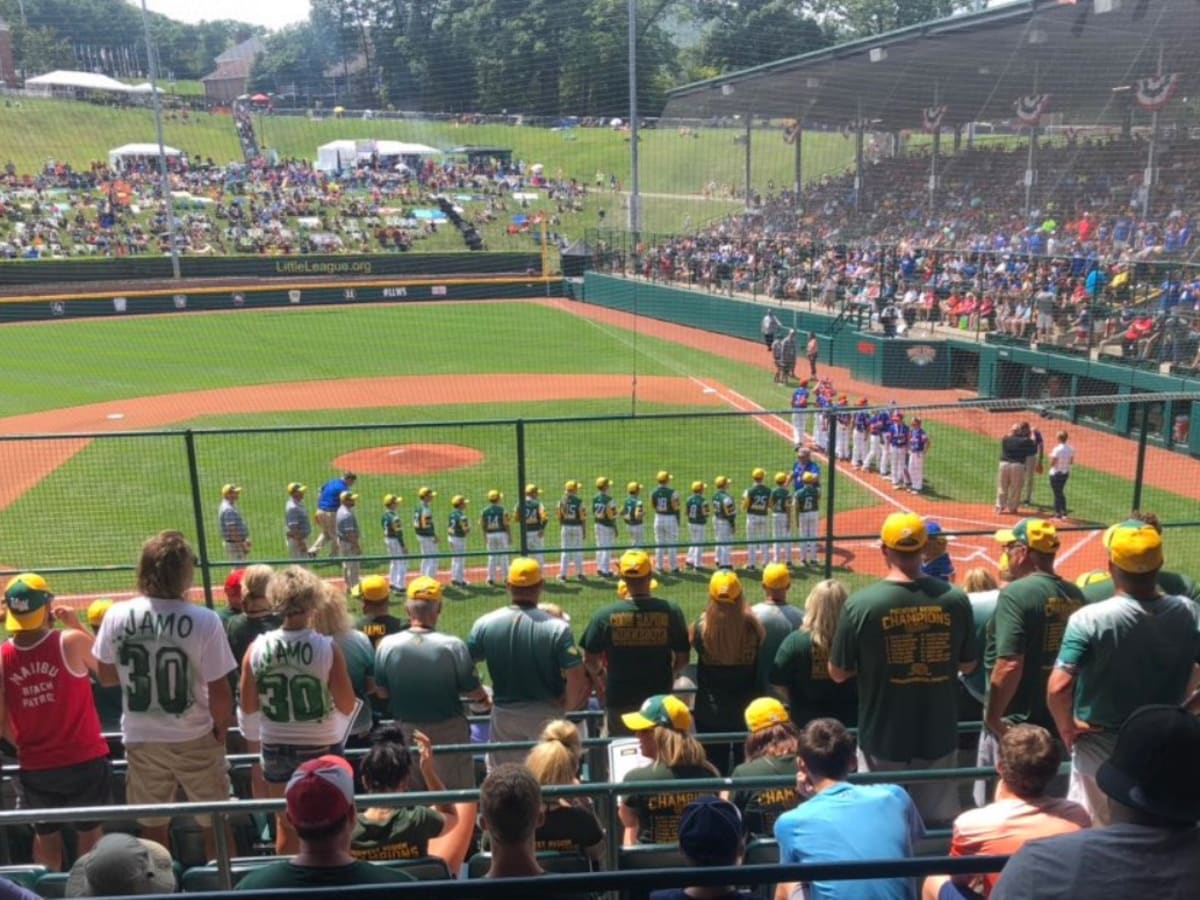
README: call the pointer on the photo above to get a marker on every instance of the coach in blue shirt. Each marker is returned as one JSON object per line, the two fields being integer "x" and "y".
{"x": 327, "y": 507}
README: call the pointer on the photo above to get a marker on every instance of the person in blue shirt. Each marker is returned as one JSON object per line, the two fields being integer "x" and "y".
{"x": 804, "y": 463}
{"x": 328, "y": 502}
{"x": 829, "y": 825}
{"x": 937, "y": 562}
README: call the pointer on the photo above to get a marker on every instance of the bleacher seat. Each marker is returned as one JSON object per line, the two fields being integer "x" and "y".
{"x": 52, "y": 885}
{"x": 762, "y": 852}
{"x": 25, "y": 876}
{"x": 935, "y": 843}
{"x": 208, "y": 877}
{"x": 552, "y": 861}
{"x": 649, "y": 856}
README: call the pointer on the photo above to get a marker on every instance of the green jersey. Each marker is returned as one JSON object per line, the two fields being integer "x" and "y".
{"x": 494, "y": 519}
{"x": 1029, "y": 621}
{"x": 423, "y": 520}
{"x": 906, "y": 639}
{"x": 658, "y": 814}
{"x": 393, "y": 526}
{"x": 665, "y": 501}
{"x": 640, "y": 638}
{"x": 634, "y": 511}
{"x": 724, "y": 507}
{"x": 534, "y": 514}
{"x": 604, "y": 510}
{"x": 808, "y": 499}
{"x": 404, "y": 834}
{"x": 762, "y": 806}
{"x": 697, "y": 509}
{"x": 526, "y": 650}
{"x": 756, "y": 500}
{"x": 459, "y": 523}
{"x": 781, "y": 500}
{"x": 424, "y": 673}
{"x": 802, "y": 669}
{"x": 570, "y": 510}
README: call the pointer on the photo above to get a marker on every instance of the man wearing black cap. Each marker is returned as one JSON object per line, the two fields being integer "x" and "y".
{"x": 711, "y": 833}
{"x": 1152, "y": 849}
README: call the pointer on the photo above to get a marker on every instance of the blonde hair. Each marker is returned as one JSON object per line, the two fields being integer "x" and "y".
{"x": 674, "y": 749}
{"x": 731, "y": 633}
{"x": 552, "y": 763}
{"x": 255, "y": 580}
{"x": 294, "y": 591}
{"x": 822, "y": 608}
{"x": 564, "y": 732}
{"x": 332, "y": 616}
{"x": 979, "y": 579}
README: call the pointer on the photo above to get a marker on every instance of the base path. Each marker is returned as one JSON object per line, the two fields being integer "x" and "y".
{"x": 1109, "y": 453}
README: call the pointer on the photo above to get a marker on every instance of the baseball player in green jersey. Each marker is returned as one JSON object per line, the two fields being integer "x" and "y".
{"x": 781, "y": 520}
{"x": 756, "y": 501}
{"x": 459, "y": 526}
{"x": 533, "y": 513}
{"x": 807, "y": 503}
{"x": 494, "y": 521}
{"x": 393, "y": 540}
{"x": 665, "y": 502}
{"x": 604, "y": 511}
{"x": 697, "y": 516}
{"x": 571, "y": 516}
{"x": 426, "y": 531}
{"x": 724, "y": 522}
{"x": 633, "y": 513}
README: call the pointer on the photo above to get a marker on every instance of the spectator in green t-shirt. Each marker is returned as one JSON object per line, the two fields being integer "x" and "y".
{"x": 771, "y": 748}
{"x": 905, "y": 638}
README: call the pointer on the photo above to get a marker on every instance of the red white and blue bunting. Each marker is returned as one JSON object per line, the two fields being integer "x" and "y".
{"x": 1154, "y": 92}
{"x": 931, "y": 117}
{"x": 1030, "y": 107}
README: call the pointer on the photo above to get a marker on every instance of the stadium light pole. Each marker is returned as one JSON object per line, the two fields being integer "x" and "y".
{"x": 635, "y": 195}
{"x": 162, "y": 151}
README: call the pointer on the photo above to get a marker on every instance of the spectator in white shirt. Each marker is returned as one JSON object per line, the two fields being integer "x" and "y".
{"x": 1061, "y": 458}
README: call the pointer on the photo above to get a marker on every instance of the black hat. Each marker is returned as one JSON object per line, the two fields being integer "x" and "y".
{"x": 1153, "y": 767}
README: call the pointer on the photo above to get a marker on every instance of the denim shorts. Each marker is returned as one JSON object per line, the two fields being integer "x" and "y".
{"x": 280, "y": 761}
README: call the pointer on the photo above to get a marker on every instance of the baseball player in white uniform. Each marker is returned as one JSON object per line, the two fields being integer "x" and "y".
{"x": 426, "y": 531}
{"x": 781, "y": 520}
{"x": 604, "y": 512}
{"x": 534, "y": 512}
{"x": 571, "y": 516}
{"x": 495, "y": 521}
{"x": 724, "y": 522}
{"x": 633, "y": 513}
{"x": 800, "y": 398}
{"x": 296, "y": 523}
{"x": 393, "y": 540}
{"x": 756, "y": 502}
{"x": 349, "y": 537}
{"x": 862, "y": 427}
{"x": 235, "y": 534}
{"x": 457, "y": 530}
{"x": 697, "y": 515}
{"x": 808, "y": 513}
{"x": 918, "y": 444}
{"x": 665, "y": 500}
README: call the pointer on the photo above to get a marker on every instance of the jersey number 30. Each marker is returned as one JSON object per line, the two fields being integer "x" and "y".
{"x": 297, "y": 699}
{"x": 169, "y": 683}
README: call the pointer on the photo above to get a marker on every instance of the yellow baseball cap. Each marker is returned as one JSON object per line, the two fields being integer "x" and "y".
{"x": 903, "y": 531}
{"x": 531, "y": 488}
{"x": 230, "y": 489}
{"x": 389, "y": 499}
{"x": 27, "y": 596}
{"x": 661, "y": 709}
{"x": 809, "y": 478}
{"x": 97, "y": 609}
{"x": 764, "y": 713}
{"x": 663, "y": 476}
{"x": 1134, "y": 547}
{"x": 347, "y": 495}
{"x": 459, "y": 500}
{"x": 426, "y": 492}
{"x": 635, "y": 563}
{"x": 572, "y": 485}
{"x": 424, "y": 588}
{"x": 781, "y": 477}
{"x": 524, "y": 572}
{"x": 698, "y": 487}
{"x": 1093, "y": 577}
{"x": 373, "y": 589}
{"x": 724, "y": 586}
{"x": 776, "y": 577}
{"x": 1036, "y": 534}
{"x": 633, "y": 487}
{"x": 296, "y": 487}
{"x": 602, "y": 483}
{"x": 758, "y": 474}
{"x": 721, "y": 481}
{"x": 494, "y": 495}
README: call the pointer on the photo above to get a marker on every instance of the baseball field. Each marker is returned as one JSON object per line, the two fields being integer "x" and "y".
{"x": 429, "y": 394}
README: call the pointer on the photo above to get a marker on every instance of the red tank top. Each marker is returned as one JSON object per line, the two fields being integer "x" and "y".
{"x": 53, "y": 716}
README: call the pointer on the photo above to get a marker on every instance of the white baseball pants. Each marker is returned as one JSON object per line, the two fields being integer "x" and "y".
{"x": 723, "y": 532}
{"x": 695, "y": 553}
{"x": 808, "y": 535}
{"x": 458, "y": 562}
{"x": 570, "y": 538}
{"x": 666, "y": 531}
{"x": 398, "y": 570}
{"x": 781, "y": 531}
{"x": 757, "y": 534}
{"x": 605, "y": 538}
{"x": 428, "y": 545}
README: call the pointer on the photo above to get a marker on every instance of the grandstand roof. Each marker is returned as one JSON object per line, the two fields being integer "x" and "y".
{"x": 977, "y": 65}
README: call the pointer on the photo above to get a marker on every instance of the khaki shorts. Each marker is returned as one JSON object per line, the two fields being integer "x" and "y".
{"x": 157, "y": 770}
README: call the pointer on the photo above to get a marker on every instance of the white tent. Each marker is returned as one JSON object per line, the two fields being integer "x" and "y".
{"x": 144, "y": 88}
{"x": 138, "y": 151}
{"x": 65, "y": 81}
{"x": 345, "y": 153}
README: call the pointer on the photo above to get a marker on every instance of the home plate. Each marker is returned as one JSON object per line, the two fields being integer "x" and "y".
{"x": 116, "y": 415}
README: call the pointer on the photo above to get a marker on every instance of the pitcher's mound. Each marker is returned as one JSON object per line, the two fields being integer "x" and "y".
{"x": 408, "y": 459}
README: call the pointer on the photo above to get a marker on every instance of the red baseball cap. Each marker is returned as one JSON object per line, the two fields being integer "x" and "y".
{"x": 233, "y": 583}
{"x": 320, "y": 792}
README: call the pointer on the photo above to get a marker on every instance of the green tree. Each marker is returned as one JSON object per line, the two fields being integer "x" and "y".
{"x": 746, "y": 33}
{"x": 293, "y": 62}
{"x": 863, "y": 18}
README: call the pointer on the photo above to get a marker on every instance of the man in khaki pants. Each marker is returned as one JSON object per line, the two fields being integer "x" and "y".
{"x": 1015, "y": 448}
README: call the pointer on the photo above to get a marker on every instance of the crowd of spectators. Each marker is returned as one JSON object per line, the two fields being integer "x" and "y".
{"x": 265, "y": 208}
{"x": 1106, "y": 676}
